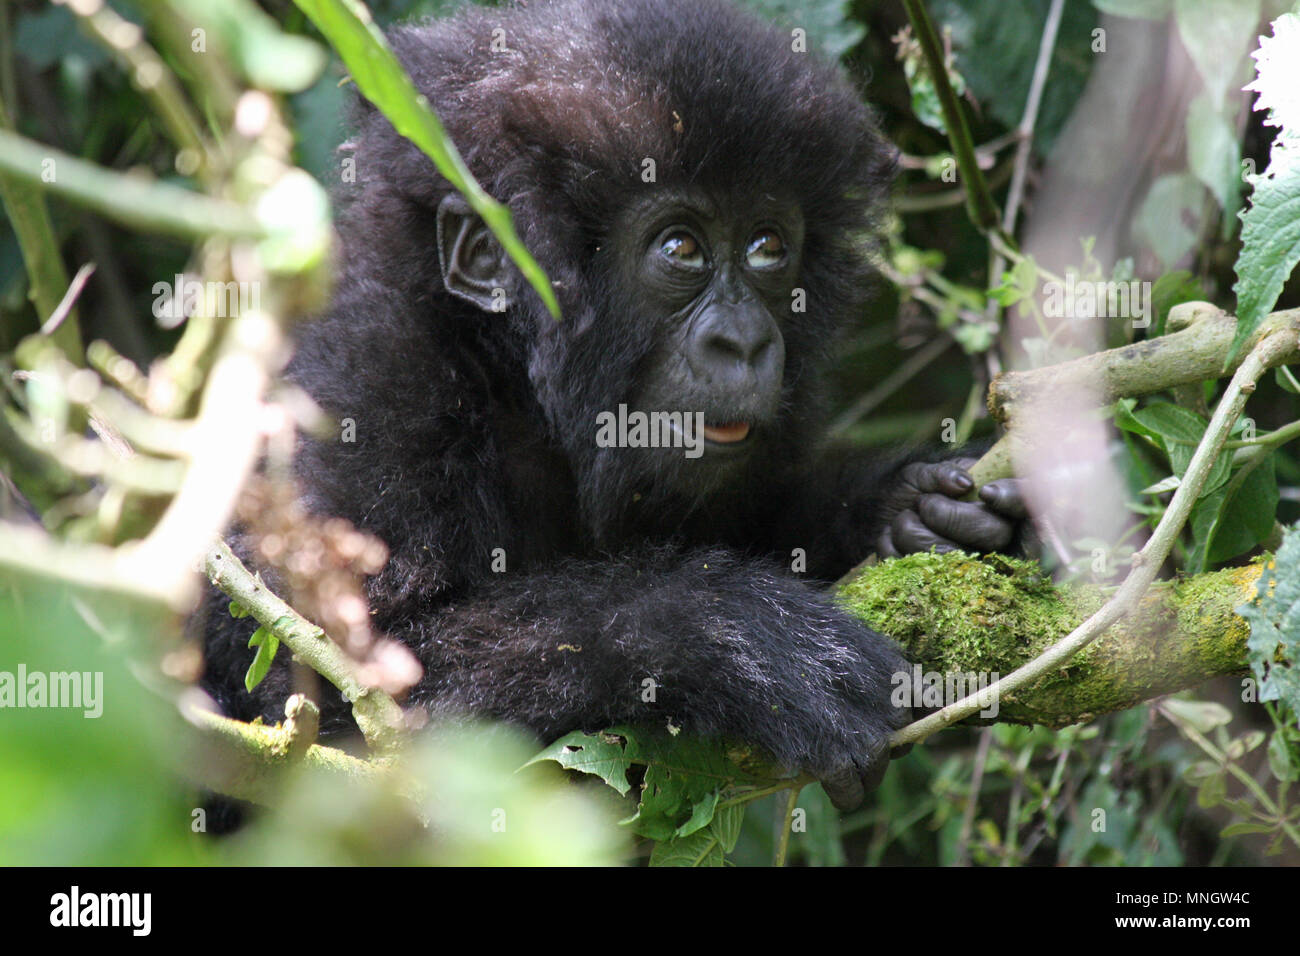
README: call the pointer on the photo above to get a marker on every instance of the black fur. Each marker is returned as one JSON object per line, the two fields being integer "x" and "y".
{"x": 474, "y": 431}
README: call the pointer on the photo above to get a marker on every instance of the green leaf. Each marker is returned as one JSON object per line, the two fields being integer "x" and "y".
{"x": 1280, "y": 762}
{"x": 380, "y": 78}
{"x": 683, "y": 779}
{"x": 1212, "y": 791}
{"x": 1203, "y": 715}
{"x": 238, "y": 610}
{"x": 829, "y": 27}
{"x": 1162, "y": 222}
{"x": 1234, "y": 518}
{"x": 1214, "y": 154}
{"x": 1136, "y": 9}
{"x": 698, "y": 849}
{"x": 1200, "y": 771}
{"x": 726, "y": 826}
{"x": 600, "y": 754}
{"x": 1270, "y": 245}
{"x": 1239, "y": 829}
{"x": 1217, "y": 35}
{"x": 267, "y": 644}
{"x": 1270, "y": 235}
{"x": 1286, "y": 380}
{"x": 1015, "y": 31}
{"x": 1178, "y": 430}
{"x": 266, "y": 55}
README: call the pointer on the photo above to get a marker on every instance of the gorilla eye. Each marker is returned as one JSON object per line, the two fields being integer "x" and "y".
{"x": 765, "y": 250}
{"x": 682, "y": 248}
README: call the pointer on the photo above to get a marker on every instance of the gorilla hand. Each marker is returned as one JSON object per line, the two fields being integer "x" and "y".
{"x": 924, "y": 511}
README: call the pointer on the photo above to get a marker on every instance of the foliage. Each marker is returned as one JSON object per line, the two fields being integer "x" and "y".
{"x": 1118, "y": 791}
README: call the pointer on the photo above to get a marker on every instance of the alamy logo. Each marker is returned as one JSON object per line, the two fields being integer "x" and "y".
{"x": 1086, "y": 299}
{"x": 82, "y": 690}
{"x": 185, "y": 297}
{"x": 639, "y": 429}
{"x": 76, "y": 908}
{"x": 935, "y": 689}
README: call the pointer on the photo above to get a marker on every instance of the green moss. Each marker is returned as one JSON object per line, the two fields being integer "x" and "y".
{"x": 962, "y": 608}
{"x": 957, "y": 612}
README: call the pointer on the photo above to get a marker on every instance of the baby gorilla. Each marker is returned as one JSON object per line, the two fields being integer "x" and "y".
{"x": 702, "y": 195}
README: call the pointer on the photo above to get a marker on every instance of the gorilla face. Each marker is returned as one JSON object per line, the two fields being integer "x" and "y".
{"x": 691, "y": 299}
{"x": 717, "y": 281}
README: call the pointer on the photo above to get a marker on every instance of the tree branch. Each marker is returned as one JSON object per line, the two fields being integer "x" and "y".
{"x": 376, "y": 713}
{"x": 1276, "y": 344}
{"x": 958, "y": 614}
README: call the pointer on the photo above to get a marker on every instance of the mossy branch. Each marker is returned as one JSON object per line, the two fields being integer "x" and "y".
{"x": 376, "y": 713}
{"x": 246, "y": 760}
{"x": 1277, "y": 342}
{"x": 955, "y": 613}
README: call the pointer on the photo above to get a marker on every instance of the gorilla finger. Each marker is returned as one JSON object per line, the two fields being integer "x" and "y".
{"x": 877, "y": 764}
{"x": 970, "y": 525}
{"x": 1006, "y": 496}
{"x": 875, "y": 774}
{"x": 885, "y": 546}
{"x": 943, "y": 477}
{"x": 844, "y": 788}
{"x": 910, "y": 534}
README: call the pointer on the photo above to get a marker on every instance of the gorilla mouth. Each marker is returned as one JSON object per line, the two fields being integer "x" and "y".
{"x": 729, "y": 433}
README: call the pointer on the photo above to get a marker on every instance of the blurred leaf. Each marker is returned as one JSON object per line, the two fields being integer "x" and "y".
{"x": 830, "y": 29}
{"x": 1169, "y": 219}
{"x": 473, "y": 807}
{"x": 1136, "y": 9}
{"x": 1280, "y": 762}
{"x": 91, "y": 785}
{"x": 1203, "y": 715}
{"x": 1214, "y": 155}
{"x": 1212, "y": 792}
{"x": 1240, "y": 829}
{"x": 1217, "y": 35}
{"x": 265, "y": 54}
{"x": 50, "y": 35}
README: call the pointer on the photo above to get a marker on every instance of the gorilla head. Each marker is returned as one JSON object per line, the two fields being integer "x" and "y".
{"x": 699, "y": 193}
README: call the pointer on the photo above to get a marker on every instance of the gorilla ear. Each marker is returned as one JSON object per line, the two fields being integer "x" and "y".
{"x": 474, "y": 266}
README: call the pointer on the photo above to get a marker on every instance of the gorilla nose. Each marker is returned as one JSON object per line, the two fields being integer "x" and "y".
{"x": 738, "y": 348}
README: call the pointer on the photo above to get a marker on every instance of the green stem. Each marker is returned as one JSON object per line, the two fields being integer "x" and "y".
{"x": 979, "y": 203}
{"x": 129, "y": 200}
{"x": 783, "y": 846}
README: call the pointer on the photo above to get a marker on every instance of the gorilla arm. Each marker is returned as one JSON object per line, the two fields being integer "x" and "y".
{"x": 705, "y": 640}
